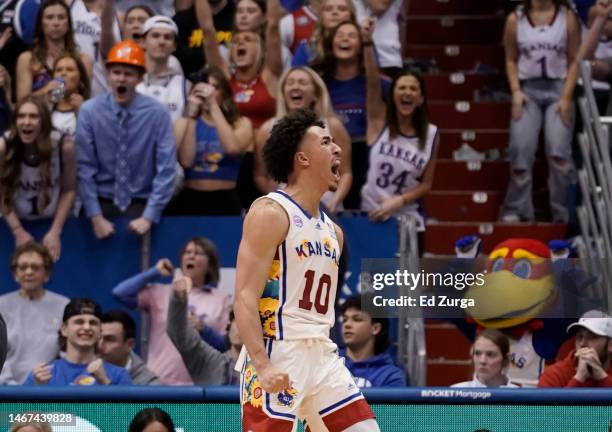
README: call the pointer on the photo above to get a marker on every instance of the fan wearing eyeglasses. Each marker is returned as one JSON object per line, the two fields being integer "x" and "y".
{"x": 32, "y": 313}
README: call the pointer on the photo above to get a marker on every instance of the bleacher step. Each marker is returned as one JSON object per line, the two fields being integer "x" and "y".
{"x": 446, "y": 343}
{"x": 476, "y": 176}
{"x": 453, "y": 7}
{"x": 440, "y": 237}
{"x": 469, "y": 206}
{"x": 454, "y": 57}
{"x": 466, "y": 114}
{"x": 458, "y": 85}
{"x": 450, "y": 29}
{"x": 479, "y": 139}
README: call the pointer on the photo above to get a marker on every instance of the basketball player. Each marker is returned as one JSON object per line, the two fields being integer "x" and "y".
{"x": 286, "y": 281}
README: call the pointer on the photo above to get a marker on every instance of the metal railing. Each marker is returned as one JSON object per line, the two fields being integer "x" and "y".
{"x": 411, "y": 336}
{"x": 595, "y": 181}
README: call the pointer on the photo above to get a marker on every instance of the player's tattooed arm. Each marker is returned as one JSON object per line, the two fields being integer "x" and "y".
{"x": 265, "y": 227}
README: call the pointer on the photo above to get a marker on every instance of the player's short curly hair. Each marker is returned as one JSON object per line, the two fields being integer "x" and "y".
{"x": 284, "y": 140}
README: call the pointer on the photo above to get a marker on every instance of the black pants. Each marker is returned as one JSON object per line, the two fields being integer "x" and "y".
{"x": 192, "y": 202}
{"x": 135, "y": 209}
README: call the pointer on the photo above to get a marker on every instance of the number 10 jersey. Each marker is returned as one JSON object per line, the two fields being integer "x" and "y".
{"x": 298, "y": 299}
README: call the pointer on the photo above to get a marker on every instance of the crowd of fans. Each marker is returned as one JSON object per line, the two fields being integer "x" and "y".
{"x": 194, "y": 339}
{"x": 154, "y": 108}
{"x": 168, "y": 121}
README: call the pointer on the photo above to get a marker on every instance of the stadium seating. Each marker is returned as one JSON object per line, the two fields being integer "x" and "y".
{"x": 459, "y": 42}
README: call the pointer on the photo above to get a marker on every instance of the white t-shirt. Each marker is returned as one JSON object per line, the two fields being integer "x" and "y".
{"x": 476, "y": 383}
{"x": 87, "y": 32}
{"x": 170, "y": 90}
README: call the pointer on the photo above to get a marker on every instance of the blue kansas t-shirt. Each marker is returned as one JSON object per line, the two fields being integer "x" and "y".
{"x": 66, "y": 373}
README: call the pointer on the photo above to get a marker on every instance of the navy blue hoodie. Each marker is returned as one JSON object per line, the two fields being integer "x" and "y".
{"x": 377, "y": 371}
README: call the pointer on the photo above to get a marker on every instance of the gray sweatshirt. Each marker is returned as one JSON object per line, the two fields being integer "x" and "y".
{"x": 32, "y": 327}
{"x": 140, "y": 373}
{"x": 206, "y": 365}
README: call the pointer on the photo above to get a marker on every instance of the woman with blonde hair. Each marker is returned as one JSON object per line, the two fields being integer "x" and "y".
{"x": 301, "y": 87}
{"x": 347, "y": 66}
{"x": 254, "y": 67}
{"x": 31, "y": 426}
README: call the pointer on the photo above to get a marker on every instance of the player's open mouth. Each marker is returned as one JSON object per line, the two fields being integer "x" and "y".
{"x": 241, "y": 52}
{"x": 335, "y": 169}
{"x": 121, "y": 89}
{"x": 189, "y": 266}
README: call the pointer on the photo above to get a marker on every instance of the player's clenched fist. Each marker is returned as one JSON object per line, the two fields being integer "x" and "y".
{"x": 274, "y": 380}
{"x": 42, "y": 373}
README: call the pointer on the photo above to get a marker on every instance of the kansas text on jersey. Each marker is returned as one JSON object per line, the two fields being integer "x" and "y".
{"x": 298, "y": 300}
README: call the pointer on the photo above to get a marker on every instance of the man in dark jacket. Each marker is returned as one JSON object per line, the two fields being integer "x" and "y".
{"x": 367, "y": 340}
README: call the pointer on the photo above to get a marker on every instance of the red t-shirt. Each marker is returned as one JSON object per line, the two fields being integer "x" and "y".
{"x": 303, "y": 26}
{"x": 253, "y": 100}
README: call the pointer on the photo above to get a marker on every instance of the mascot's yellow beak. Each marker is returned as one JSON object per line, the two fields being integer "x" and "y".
{"x": 506, "y": 300}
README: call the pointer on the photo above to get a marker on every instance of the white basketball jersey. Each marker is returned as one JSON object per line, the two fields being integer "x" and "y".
{"x": 396, "y": 166}
{"x": 542, "y": 49}
{"x": 298, "y": 300}
{"x": 29, "y": 193}
{"x": 87, "y": 29}
{"x": 170, "y": 91}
